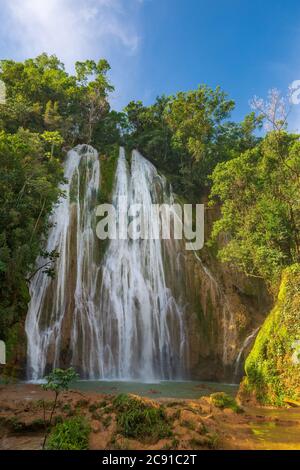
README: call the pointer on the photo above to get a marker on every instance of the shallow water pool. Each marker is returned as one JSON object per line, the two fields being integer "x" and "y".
{"x": 163, "y": 389}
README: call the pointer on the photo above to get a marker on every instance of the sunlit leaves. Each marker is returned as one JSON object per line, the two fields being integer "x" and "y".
{"x": 259, "y": 191}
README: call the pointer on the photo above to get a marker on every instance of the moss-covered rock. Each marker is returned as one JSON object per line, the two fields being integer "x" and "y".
{"x": 108, "y": 170}
{"x": 109, "y": 162}
{"x": 273, "y": 366}
{"x": 223, "y": 401}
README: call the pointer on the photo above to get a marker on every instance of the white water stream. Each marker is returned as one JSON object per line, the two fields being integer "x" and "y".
{"x": 111, "y": 317}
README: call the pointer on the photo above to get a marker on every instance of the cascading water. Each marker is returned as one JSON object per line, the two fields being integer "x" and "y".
{"x": 61, "y": 322}
{"x": 245, "y": 344}
{"x": 142, "y": 325}
{"x": 115, "y": 318}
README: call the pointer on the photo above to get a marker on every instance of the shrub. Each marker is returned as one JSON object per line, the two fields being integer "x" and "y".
{"x": 72, "y": 434}
{"x": 57, "y": 381}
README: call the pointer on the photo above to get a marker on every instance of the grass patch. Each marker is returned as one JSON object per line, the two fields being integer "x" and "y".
{"x": 72, "y": 434}
{"x": 137, "y": 419}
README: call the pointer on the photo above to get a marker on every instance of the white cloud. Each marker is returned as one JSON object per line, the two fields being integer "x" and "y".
{"x": 76, "y": 30}
{"x": 72, "y": 29}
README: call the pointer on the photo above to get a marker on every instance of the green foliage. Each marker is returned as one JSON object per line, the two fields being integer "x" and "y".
{"x": 28, "y": 189}
{"x": 41, "y": 96}
{"x": 272, "y": 373}
{"x": 222, "y": 400}
{"x": 259, "y": 191}
{"x": 195, "y": 117}
{"x": 107, "y": 131}
{"x": 54, "y": 139}
{"x": 95, "y": 87}
{"x": 46, "y": 111}
{"x": 59, "y": 380}
{"x": 139, "y": 420}
{"x": 72, "y": 434}
{"x": 187, "y": 135}
{"x": 15, "y": 339}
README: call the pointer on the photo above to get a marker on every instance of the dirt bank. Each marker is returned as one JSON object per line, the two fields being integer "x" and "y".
{"x": 195, "y": 424}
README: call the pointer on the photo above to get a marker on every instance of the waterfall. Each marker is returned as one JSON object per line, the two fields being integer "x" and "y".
{"x": 245, "y": 344}
{"x": 142, "y": 325}
{"x": 113, "y": 316}
{"x": 62, "y": 319}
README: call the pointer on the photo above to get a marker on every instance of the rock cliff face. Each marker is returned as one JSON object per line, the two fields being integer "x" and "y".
{"x": 273, "y": 366}
{"x": 225, "y": 310}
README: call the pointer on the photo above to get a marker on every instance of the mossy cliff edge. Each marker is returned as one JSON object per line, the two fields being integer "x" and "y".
{"x": 273, "y": 366}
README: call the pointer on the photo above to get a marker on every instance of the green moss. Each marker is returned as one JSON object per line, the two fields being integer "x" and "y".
{"x": 108, "y": 171}
{"x": 272, "y": 373}
{"x": 15, "y": 352}
{"x": 206, "y": 320}
{"x": 12, "y": 320}
{"x": 72, "y": 434}
{"x": 107, "y": 175}
{"x": 139, "y": 420}
{"x": 74, "y": 189}
{"x": 12, "y": 341}
{"x": 222, "y": 400}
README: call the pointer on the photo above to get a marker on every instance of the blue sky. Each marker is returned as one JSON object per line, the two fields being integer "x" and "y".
{"x": 163, "y": 46}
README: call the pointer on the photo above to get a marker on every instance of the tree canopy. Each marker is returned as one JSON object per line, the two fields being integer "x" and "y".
{"x": 186, "y": 135}
{"x": 259, "y": 191}
{"x": 46, "y": 111}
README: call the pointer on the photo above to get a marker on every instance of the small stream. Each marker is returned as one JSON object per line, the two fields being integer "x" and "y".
{"x": 280, "y": 429}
